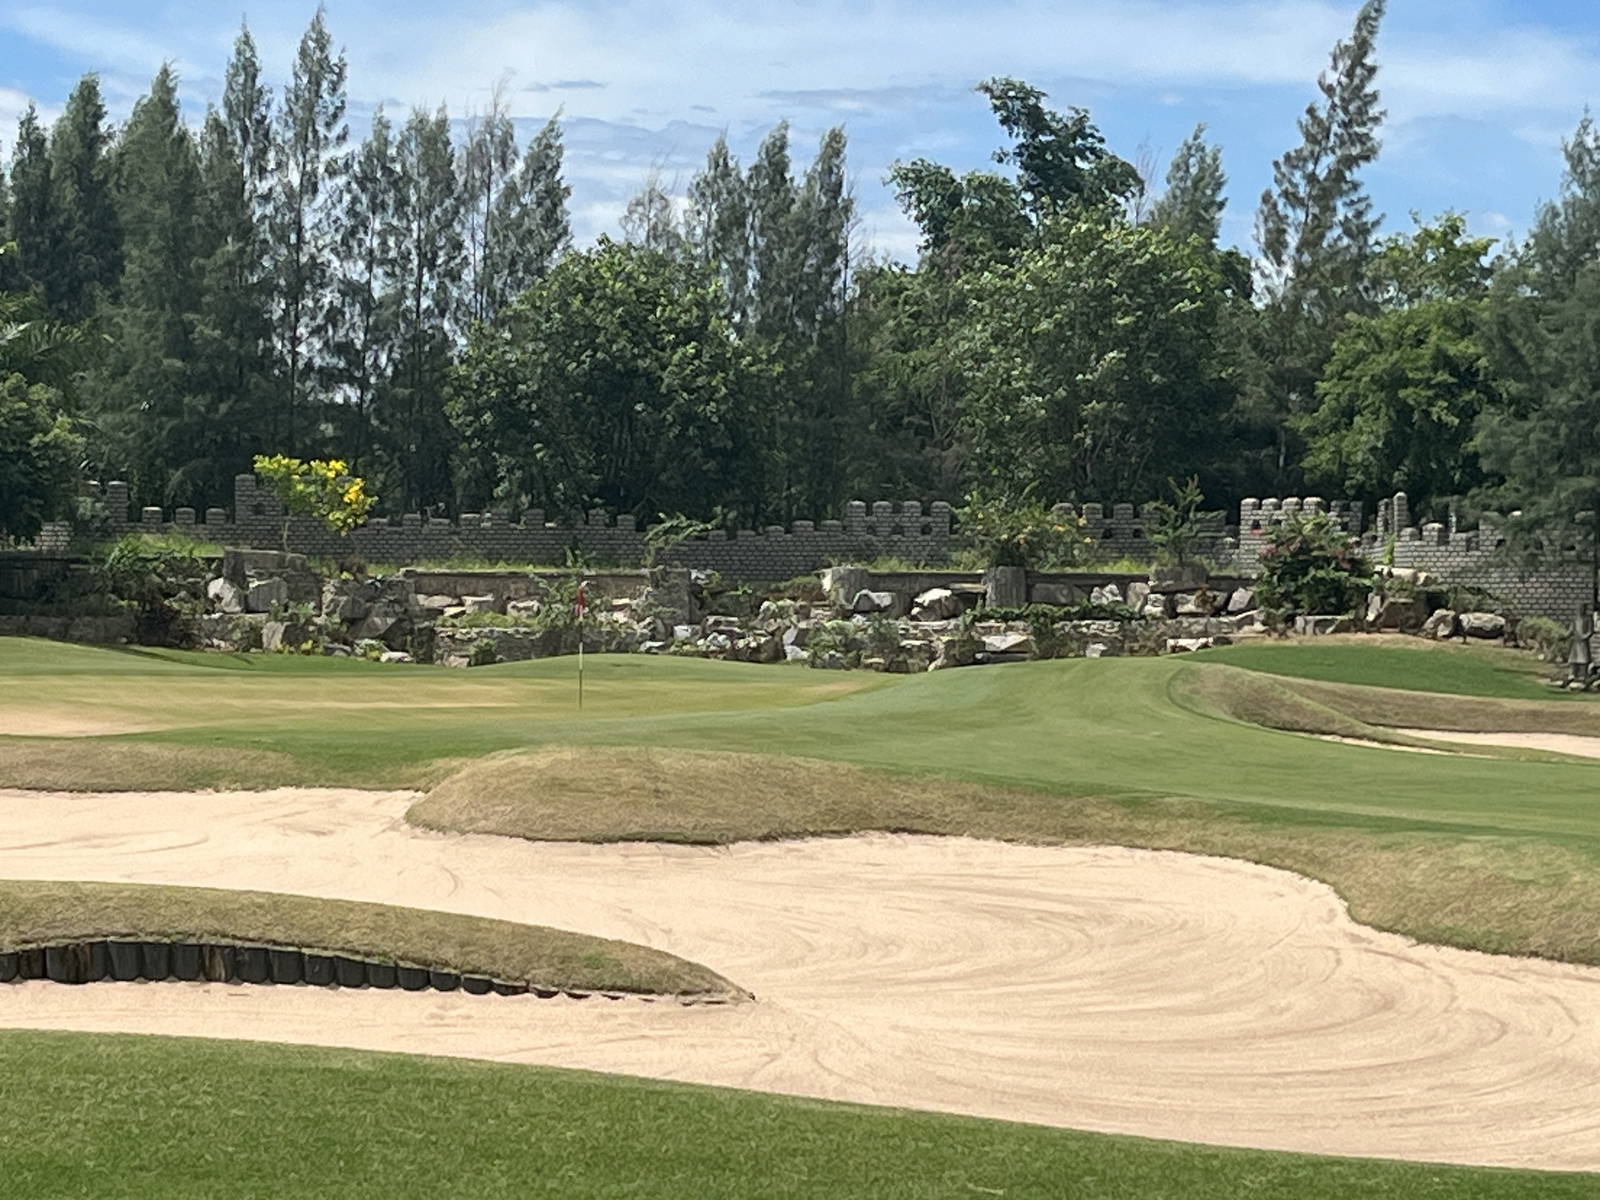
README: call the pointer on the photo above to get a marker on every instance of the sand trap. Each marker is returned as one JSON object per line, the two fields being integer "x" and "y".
{"x": 1131, "y": 991}
{"x": 1562, "y": 743}
{"x": 1374, "y": 744}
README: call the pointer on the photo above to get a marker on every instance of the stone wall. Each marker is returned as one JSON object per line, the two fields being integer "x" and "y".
{"x": 906, "y": 530}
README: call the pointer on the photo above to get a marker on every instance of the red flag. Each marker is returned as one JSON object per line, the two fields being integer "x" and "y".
{"x": 582, "y": 601}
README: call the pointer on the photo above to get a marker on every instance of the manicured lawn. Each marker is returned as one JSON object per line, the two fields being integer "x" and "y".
{"x": 38, "y": 912}
{"x": 1473, "y": 669}
{"x": 118, "y": 1117}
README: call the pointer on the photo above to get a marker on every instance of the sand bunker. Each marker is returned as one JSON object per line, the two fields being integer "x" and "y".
{"x": 1110, "y": 989}
{"x": 1561, "y": 743}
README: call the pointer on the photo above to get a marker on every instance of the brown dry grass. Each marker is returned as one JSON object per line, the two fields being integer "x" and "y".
{"x": 1494, "y": 893}
{"x": 34, "y": 912}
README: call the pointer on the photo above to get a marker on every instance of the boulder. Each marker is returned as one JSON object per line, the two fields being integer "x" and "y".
{"x": 872, "y": 602}
{"x": 843, "y": 584}
{"x": 796, "y": 636}
{"x": 525, "y": 609}
{"x": 1396, "y": 612}
{"x": 938, "y": 604}
{"x": 1110, "y": 594}
{"x": 225, "y": 596}
{"x": 1194, "y": 604}
{"x": 1103, "y": 650}
{"x": 395, "y": 656}
{"x": 1136, "y": 594}
{"x": 1009, "y": 643}
{"x": 1441, "y": 625}
{"x": 265, "y": 594}
{"x": 794, "y": 654}
{"x": 1241, "y": 600}
{"x": 683, "y": 633}
{"x": 955, "y": 651}
{"x": 478, "y": 604}
{"x": 1483, "y": 625}
{"x": 1188, "y": 645}
{"x": 1322, "y": 626}
{"x": 436, "y": 604}
{"x": 1155, "y": 607}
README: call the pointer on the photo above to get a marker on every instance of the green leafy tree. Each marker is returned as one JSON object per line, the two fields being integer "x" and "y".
{"x": 717, "y": 226}
{"x": 532, "y": 226}
{"x": 615, "y": 381}
{"x": 1403, "y": 388}
{"x": 1019, "y": 531}
{"x": 1311, "y": 565}
{"x": 1093, "y": 368}
{"x": 1193, "y": 201}
{"x": 39, "y": 456}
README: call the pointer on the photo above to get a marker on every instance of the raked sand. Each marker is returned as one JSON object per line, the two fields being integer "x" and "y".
{"x": 1109, "y": 989}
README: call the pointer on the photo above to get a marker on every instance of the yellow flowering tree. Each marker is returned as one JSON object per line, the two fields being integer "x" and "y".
{"x": 322, "y": 489}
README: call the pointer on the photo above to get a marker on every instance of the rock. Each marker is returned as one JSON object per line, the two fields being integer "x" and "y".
{"x": 716, "y": 643}
{"x": 1136, "y": 594}
{"x": 225, "y": 596}
{"x": 1063, "y": 595}
{"x": 1155, "y": 607}
{"x": 1395, "y": 612}
{"x": 843, "y": 584}
{"x": 478, "y": 604}
{"x": 1006, "y": 587}
{"x": 1322, "y": 626}
{"x": 684, "y": 633}
{"x": 265, "y": 594}
{"x": 1170, "y": 577}
{"x": 916, "y": 655}
{"x": 795, "y": 654}
{"x": 955, "y": 651}
{"x": 1188, "y": 645}
{"x": 1241, "y": 600}
{"x": 1483, "y": 625}
{"x": 1108, "y": 594}
{"x": 872, "y": 602}
{"x": 524, "y": 609}
{"x": 937, "y": 604}
{"x": 1102, "y": 650}
{"x": 796, "y": 636}
{"x": 395, "y": 656}
{"x": 437, "y": 603}
{"x": 1193, "y": 604}
{"x": 831, "y": 661}
{"x": 337, "y": 650}
{"x": 1009, "y": 643}
{"x": 652, "y": 647}
{"x": 1441, "y": 625}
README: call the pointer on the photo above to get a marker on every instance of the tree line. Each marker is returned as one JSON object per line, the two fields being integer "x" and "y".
{"x": 412, "y": 302}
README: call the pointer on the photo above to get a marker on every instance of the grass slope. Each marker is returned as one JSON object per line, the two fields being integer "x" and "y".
{"x": 134, "y": 1117}
{"x": 1393, "y": 661}
{"x": 34, "y": 912}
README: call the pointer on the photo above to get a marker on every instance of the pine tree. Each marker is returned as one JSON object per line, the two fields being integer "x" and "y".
{"x": 429, "y": 266}
{"x": 1315, "y": 229}
{"x": 30, "y": 201}
{"x": 717, "y": 226}
{"x": 488, "y": 163}
{"x": 309, "y": 159}
{"x": 83, "y": 254}
{"x": 1193, "y": 202}
{"x": 143, "y": 390}
{"x": 532, "y": 229}
{"x": 363, "y": 342}
{"x": 1316, "y": 224}
{"x": 774, "y": 252}
{"x": 234, "y": 373}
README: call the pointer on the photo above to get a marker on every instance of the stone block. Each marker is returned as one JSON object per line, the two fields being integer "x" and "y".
{"x": 478, "y": 604}
{"x": 263, "y": 594}
{"x": 225, "y": 596}
{"x": 1241, "y": 600}
{"x": 940, "y": 604}
{"x": 1323, "y": 626}
{"x": 1483, "y": 625}
{"x": 872, "y": 602}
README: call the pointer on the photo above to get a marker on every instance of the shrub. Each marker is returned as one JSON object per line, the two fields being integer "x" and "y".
{"x": 1021, "y": 534}
{"x": 1311, "y": 565}
{"x": 1549, "y": 639}
{"x": 162, "y": 583}
{"x": 484, "y": 653}
{"x": 370, "y": 648}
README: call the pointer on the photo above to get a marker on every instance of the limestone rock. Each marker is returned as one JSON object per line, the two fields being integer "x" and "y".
{"x": 1110, "y": 594}
{"x": 1322, "y": 626}
{"x": 1441, "y": 625}
{"x": 1102, "y": 650}
{"x": 478, "y": 604}
{"x": 1241, "y": 600}
{"x": 395, "y": 656}
{"x": 1189, "y": 645}
{"x": 872, "y": 602}
{"x": 264, "y": 594}
{"x": 937, "y": 604}
{"x": 843, "y": 584}
{"x": 524, "y": 609}
{"x": 794, "y": 654}
{"x": 1483, "y": 625}
{"x": 1155, "y": 607}
{"x": 225, "y": 596}
{"x": 1009, "y": 643}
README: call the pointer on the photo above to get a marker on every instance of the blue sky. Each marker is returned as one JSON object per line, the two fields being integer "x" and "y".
{"x": 1480, "y": 92}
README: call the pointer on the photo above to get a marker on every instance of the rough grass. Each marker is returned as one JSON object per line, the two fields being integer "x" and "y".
{"x": 34, "y": 912}
{"x": 1499, "y": 894}
{"x": 130, "y": 1118}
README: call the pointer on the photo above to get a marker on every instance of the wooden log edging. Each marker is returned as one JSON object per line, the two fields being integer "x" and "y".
{"x": 129, "y": 959}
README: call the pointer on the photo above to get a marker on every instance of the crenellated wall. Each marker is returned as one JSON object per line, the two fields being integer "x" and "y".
{"x": 906, "y": 530}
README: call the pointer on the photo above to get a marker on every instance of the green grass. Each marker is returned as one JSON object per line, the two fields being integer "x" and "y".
{"x": 132, "y": 1117}
{"x": 1399, "y": 662}
{"x": 38, "y": 912}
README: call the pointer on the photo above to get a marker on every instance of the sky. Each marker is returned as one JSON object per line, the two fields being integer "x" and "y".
{"x": 1480, "y": 93}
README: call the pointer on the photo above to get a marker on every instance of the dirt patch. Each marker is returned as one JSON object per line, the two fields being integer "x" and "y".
{"x": 1101, "y": 988}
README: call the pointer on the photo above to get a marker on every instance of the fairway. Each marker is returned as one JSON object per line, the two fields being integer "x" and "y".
{"x": 1117, "y": 990}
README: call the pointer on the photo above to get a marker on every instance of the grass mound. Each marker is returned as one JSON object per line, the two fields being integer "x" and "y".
{"x": 128, "y": 1118}
{"x": 34, "y": 912}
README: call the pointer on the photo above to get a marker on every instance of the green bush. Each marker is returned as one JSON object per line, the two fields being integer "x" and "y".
{"x": 1549, "y": 639}
{"x": 484, "y": 653}
{"x": 161, "y": 581}
{"x": 1310, "y": 565}
{"x": 1023, "y": 533}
